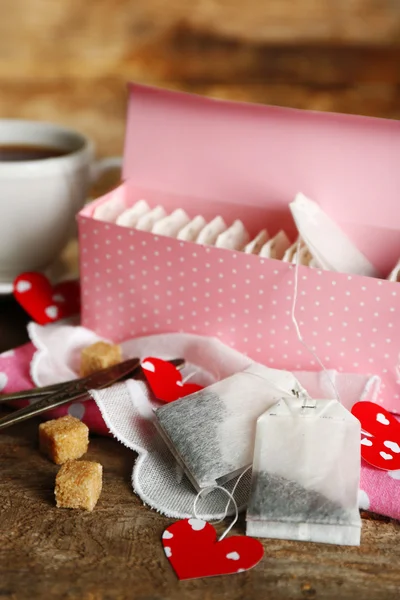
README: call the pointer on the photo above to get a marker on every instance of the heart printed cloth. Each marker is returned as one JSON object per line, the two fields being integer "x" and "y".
{"x": 125, "y": 410}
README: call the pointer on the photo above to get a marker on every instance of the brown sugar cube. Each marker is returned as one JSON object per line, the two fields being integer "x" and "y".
{"x": 78, "y": 484}
{"x": 63, "y": 439}
{"x": 99, "y": 356}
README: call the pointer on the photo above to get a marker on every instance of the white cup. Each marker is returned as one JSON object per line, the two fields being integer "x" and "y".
{"x": 40, "y": 198}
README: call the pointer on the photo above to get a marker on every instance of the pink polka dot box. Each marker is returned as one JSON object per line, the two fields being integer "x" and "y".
{"x": 248, "y": 162}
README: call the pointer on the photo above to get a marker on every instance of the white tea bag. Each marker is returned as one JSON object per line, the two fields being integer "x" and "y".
{"x": 130, "y": 216}
{"x": 305, "y": 257}
{"x": 208, "y": 236}
{"x": 172, "y": 224}
{"x": 148, "y": 220}
{"x": 395, "y": 274}
{"x": 314, "y": 264}
{"x": 191, "y": 231}
{"x": 112, "y": 208}
{"x": 234, "y": 238}
{"x": 276, "y": 246}
{"x": 211, "y": 433}
{"x": 290, "y": 253}
{"x": 306, "y": 471}
{"x": 327, "y": 242}
{"x": 257, "y": 243}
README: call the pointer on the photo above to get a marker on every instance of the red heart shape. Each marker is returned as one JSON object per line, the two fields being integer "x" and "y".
{"x": 42, "y": 301}
{"x": 192, "y": 548}
{"x": 381, "y": 448}
{"x": 165, "y": 380}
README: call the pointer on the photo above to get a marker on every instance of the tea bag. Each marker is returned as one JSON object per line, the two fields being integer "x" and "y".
{"x": 257, "y": 243}
{"x": 290, "y": 254}
{"x": 149, "y": 219}
{"x": 326, "y": 241}
{"x": 209, "y": 234}
{"x": 234, "y": 238}
{"x": 109, "y": 211}
{"x": 191, "y": 231}
{"x": 172, "y": 224}
{"x": 211, "y": 433}
{"x": 276, "y": 246}
{"x": 306, "y": 471}
{"x": 130, "y": 216}
{"x": 394, "y": 275}
{"x": 304, "y": 257}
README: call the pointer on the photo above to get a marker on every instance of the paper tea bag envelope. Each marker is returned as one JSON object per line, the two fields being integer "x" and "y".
{"x": 306, "y": 471}
{"x": 211, "y": 433}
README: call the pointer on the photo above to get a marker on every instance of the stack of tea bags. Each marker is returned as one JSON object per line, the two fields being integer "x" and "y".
{"x": 321, "y": 243}
{"x": 179, "y": 225}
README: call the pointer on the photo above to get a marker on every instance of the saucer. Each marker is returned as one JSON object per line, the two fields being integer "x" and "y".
{"x": 66, "y": 266}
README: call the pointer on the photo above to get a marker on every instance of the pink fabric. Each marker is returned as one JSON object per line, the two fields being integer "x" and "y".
{"x": 379, "y": 490}
{"x": 15, "y": 376}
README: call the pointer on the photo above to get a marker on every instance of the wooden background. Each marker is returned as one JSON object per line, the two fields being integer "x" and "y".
{"x": 69, "y": 61}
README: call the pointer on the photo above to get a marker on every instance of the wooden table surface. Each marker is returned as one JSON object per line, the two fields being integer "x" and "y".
{"x": 115, "y": 552}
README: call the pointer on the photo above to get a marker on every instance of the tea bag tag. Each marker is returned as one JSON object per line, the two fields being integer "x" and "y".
{"x": 193, "y": 550}
{"x": 306, "y": 472}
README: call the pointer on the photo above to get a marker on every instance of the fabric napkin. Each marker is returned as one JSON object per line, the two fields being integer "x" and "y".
{"x": 126, "y": 412}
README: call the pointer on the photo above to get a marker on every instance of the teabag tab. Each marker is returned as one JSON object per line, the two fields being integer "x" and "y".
{"x": 191, "y": 231}
{"x": 172, "y": 224}
{"x": 209, "y": 234}
{"x": 211, "y": 433}
{"x": 395, "y": 274}
{"x": 257, "y": 243}
{"x": 234, "y": 238}
{"x": 326, "y": 241}
{"x": 304, "y": 257}
{"x": 290, "y": 253}
{"x": 147, "y": 221}
{"x": 306, "y": 472}
{"x": 109, "y": 211}
{"x": 131, "y": 216}
{"x": 276, "y": 247}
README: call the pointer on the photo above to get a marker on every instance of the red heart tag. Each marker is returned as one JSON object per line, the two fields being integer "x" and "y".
{"x": 165, "y": 380}
{"x": 192, "y": 548}
{"x": 381, "y": 448}
{"x": 43, "y": 302}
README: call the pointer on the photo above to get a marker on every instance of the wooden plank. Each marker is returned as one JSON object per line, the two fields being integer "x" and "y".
{"x": 97, "y": 106}
{"x": 93, "y": 37}
{"x": 115, "y": 552}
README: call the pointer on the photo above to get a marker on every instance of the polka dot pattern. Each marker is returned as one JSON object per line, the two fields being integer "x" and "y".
{"x": 147, "y": 284}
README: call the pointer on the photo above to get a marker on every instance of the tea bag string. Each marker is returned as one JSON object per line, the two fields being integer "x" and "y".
{"x": 231, "y": 499}
{"x": 297, "y": 328}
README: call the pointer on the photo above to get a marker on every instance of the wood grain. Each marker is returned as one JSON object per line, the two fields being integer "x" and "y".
{"x": 97, "y": 107}
{"x": 115, "y": 552}
{"x": 80, "y": 38}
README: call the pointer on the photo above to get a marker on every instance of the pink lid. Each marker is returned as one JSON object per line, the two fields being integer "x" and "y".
{"x": 238, "y": 152}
